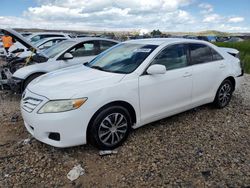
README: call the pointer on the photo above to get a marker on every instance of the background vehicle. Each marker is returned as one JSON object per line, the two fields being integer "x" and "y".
{"x": 43, "y": 44}
{"x": 38, "y": 36}
{"x": 127, "y": 86}
{"x": 67, "y": 53}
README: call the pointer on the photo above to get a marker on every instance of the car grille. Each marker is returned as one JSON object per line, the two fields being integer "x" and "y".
{"x": 29, "y": 104}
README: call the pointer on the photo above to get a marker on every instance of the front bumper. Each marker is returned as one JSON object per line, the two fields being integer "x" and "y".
{"x": 70, "y": 127}
{"x": 10, "y": 84}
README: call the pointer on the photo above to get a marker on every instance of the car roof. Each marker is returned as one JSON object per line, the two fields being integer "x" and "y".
{"x": 160, "y": 41}
{"x": 49, "y": 39}
{"x": 91, "y": 38}
{"x": 50, "y": 33}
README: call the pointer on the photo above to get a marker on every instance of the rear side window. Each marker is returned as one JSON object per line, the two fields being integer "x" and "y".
{"x": 104, "y": 45}
{"x": 200, "y": 53}
{"x": 172, "y": 57}
{"x": 85, "y": 49}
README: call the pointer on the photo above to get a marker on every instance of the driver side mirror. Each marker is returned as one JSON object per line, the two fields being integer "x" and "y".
{"x": 67, "y": 56}
{"x": 156, "y": 69}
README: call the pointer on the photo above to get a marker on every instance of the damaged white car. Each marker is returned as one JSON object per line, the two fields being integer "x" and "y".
{"x": 65, "y": 54}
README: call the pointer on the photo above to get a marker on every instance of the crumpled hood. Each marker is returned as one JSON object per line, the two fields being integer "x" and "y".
{"x": 18, "y": 37}
{"x": 73, "y": 82}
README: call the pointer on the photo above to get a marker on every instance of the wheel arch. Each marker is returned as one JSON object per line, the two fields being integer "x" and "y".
{"x": 232, "y": 80}
{"x": 124, "y": 104}
{"x": 30, "y": 75}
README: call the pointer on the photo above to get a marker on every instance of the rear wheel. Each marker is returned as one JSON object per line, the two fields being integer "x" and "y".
{"x": 224, "y": 94}
{"x": 110, "y": 128}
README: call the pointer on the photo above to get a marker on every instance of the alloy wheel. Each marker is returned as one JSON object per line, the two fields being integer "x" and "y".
{"x": 112, "y": 129}
{"x": 225, "y": 94}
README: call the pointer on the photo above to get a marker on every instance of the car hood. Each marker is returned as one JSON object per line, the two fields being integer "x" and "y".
{"x": 18, "y": 37}
{"x": 73, "y": 82}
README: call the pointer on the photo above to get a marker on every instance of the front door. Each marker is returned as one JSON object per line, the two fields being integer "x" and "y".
{"x": 166, "y": 94}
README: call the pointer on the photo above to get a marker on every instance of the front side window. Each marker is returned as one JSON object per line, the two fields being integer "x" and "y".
{"x": 172, "y": 57}
{"x": 123, "y": 58}
{"x": 200, "y": 53}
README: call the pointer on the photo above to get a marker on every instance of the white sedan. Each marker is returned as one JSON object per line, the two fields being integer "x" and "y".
{"x": 127, "y": 86}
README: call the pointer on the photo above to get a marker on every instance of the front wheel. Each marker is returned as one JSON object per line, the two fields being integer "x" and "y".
{"x": 224, "y": 94}
{"x": 110, "y": 128}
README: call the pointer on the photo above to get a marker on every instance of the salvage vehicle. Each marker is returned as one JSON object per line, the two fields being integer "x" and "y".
{"x": 130, "y": 85}
{"x": 66, "y": 53}
{"x": 42, "y": 44}
{"x": 38, "y": 36}
{"x": 33, "y": 38}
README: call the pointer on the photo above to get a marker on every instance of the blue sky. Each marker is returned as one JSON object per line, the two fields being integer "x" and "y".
{"x": 166, "y": 15}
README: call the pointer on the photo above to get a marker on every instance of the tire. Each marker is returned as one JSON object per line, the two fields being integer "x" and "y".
{"x": 29, "y": 79}
{"x": 224, "y": 94}
{"x": 110, "y": 128}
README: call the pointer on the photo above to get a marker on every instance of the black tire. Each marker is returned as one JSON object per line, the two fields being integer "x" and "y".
{"x": 29, "y": 79}
{"x": 224, "y": 94}
{"x": 100, "y": 121}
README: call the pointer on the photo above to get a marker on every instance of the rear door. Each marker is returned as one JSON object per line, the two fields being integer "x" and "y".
{"x": 208, "y": 68}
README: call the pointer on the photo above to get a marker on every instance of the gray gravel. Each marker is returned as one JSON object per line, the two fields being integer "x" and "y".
{"x": 203, "y": 147}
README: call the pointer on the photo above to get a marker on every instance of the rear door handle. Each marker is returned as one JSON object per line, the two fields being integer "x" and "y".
{"x": 187, "y": 74}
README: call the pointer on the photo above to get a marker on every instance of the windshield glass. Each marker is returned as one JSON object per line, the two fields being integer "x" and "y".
{"x": 54, "y": 50}
{"x": 40, "y": 42}
{"x": 123, "y": 58}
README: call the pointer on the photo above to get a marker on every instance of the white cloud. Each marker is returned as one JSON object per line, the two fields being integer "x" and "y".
{"x": 167, "y": 15}
{"x": 212, "y": 18}
{"x": 236, "y": 19}
{"x": 206, "y": 8}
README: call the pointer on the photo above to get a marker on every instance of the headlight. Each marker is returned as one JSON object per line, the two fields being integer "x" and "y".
{"x": 62, "y": 105}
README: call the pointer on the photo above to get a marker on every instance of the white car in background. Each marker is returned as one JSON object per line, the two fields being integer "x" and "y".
{"x": 42, "y": 45}
{"x": 127, "y": 86}
{"x": 38, "y": 36}
{"x": 33, "y": 38}
{"x": 65, "y": 54}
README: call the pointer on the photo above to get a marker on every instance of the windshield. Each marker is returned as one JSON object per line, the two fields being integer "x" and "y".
{"x": 40, "y": 42}
{"x": 123, "y": 58}
{"x": 60, "y": 47}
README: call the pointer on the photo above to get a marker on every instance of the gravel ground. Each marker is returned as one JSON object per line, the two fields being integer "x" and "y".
{"x": 203, "y": 147}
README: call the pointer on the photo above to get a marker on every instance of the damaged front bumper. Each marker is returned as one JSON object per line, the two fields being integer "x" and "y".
{"x": 13, "y": 84}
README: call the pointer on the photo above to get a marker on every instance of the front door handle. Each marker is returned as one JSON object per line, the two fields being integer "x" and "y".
{"x": 187, "y": 74}
{"x": 222, "y": 65}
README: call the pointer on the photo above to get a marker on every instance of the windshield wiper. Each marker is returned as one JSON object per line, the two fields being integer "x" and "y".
{"x": 86, "y": 64}
{"x": 98, "y": 68}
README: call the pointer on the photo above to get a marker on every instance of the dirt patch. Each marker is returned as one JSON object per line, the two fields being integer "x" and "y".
{"x": 203, "y": 147}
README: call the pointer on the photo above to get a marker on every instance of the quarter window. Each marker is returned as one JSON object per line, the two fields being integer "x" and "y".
{"x": 172, "y": 57}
